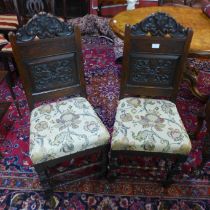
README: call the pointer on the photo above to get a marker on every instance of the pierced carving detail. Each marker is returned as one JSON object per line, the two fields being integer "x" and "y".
{"x": 43, "y": 26}
{"x": 53, "y": 74}
{"x": 152, "y": 71}
{"x": 34, "y": 6}
{"x": 159, "y": 24}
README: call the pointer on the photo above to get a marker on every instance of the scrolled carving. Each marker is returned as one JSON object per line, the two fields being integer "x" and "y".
{"x": 34, "y": 6}
{"x": 47, "y": 76}
{"x": 159, "y": 24}
{"x": 43, "y": 26}
{"x": 155, "y": 71}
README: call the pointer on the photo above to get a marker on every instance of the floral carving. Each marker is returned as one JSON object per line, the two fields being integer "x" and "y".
{"x": 159, "y": 24}
{"x": 43, "y": 26}
{"x": 155, "y": 71}
{"x": 47, "y": 75}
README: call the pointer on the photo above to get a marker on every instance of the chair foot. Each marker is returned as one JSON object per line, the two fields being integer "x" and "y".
{"x": 50, "y": 199}
{"x": 167, "y": 183}
{"x": 111, "y": 175}
{"x": 119, "y": 60}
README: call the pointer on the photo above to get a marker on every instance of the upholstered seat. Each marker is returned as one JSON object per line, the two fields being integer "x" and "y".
{"x": 63, "y": 128}
{"x": 149, "y": 125}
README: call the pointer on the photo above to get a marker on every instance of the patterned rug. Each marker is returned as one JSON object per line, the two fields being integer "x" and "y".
{"x": 19, "y": 184}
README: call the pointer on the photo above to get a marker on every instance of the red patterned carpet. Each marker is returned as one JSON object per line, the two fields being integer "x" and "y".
{"x": 19, "y": 184}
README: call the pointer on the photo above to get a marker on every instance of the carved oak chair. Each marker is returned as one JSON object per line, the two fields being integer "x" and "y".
{"x": 49, "y": 59}
{"x": 155, "y": 52}
{"x": 25, "y": 9}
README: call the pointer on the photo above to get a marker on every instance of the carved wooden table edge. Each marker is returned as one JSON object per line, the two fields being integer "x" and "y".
{"x": 191, "y": 74}
{"x": 119, "y": 33}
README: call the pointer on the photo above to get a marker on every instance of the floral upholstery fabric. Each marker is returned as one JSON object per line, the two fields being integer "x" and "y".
{"x": 65, "y": 127}
{"x": 149, "y": 125}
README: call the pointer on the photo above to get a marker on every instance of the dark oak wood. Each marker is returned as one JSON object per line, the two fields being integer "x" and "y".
{"x": 4, "y": 106}
{"x": 7, "y": 7}
{"x": 49, "y": 59}
{"x": 74, "y": 8}
{"x": 154, "y": 58}
{"x": 25, "y": 9}
{"x": 7, "y": 76}
{"x": 61, "y": 57}
{"x": 2, "y": 75}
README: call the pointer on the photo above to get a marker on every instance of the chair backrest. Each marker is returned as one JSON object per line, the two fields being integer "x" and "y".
{"x": 49, "y": 58}
{"x": 25, "y": 9}
{"x": 155, "y": 52}
{"x": 6, "y": 7}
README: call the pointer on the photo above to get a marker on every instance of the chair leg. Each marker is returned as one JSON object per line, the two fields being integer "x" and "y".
{"x": 45, "y": 182}
{"x": 169, "y": 177}
{"x": 9, "y": 82}
{"x": 173, "y": 171}
{"x": 111, "y": 169}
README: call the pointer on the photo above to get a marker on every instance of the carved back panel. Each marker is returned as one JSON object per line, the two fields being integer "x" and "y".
{"x": 155, "y": 53}
{"x": 25, "y": 9}
{"x": 49, "y": 58}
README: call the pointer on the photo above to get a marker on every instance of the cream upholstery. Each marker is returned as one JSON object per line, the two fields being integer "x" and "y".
{"x": 63, "y": 128}
{"x": 149, "y": 125}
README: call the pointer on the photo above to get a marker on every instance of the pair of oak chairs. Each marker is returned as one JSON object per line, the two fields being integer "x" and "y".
{"x": 48, "y": 55}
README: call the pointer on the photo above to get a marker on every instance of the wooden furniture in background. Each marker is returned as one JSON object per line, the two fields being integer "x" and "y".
{"x": 154, "y": 56}
{"x": 75, "y": 8}
{"x": 7, "y": 76}
{"x": 4, "y": 106}
{"x": 188, "y": 17}
{"x": 51, "y": 67}
{"x": 25, "y": 9}
{"x": 112, "y": 7}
